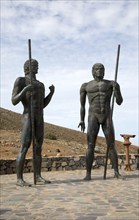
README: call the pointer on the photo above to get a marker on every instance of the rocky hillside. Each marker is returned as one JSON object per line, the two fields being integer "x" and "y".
{"x": 57, "y": 140}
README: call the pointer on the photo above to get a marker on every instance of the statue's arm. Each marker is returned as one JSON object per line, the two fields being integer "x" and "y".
{"x": 19, "y": 90}
{"x": 48, "y": 98}
{"x": 117, "y": 93}
{"x": 82, "y": 108}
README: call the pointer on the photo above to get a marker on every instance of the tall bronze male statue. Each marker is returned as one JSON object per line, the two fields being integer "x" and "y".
{"x": 22, "y": 93}
{"x": 99, "y": 92}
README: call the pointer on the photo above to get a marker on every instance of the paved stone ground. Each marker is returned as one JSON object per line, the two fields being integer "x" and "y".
{"x": 68, "y": 197}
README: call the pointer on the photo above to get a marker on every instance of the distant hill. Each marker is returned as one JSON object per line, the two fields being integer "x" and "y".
{"x": 12, "y": 121}
{"x": 56, "y": 138}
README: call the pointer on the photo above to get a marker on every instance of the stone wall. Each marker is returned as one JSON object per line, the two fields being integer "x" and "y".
{"x": 66, "y": 163}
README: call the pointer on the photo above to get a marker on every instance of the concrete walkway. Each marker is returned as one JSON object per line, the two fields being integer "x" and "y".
{"x": 68, "y": 197}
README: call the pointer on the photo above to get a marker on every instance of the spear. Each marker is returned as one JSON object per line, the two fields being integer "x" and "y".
{"x": 32, "y": 113}
{"x": 116, "y": 73}
{"x": 112, "y": 106}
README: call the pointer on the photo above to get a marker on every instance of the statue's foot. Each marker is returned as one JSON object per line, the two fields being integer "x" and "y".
{"x": 22, "y": 183}
{"x": 118, "y": 176}
{"x": 40, "y": 179}
{"x": 87, "y": 178}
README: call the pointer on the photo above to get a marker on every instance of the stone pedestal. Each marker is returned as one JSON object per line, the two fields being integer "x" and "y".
{"x": 127, "y": 143}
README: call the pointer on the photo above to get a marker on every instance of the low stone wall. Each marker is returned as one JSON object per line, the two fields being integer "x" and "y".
{"x": 67, "y": 163}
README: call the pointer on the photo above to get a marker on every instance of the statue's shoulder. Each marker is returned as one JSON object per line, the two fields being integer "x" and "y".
{"x": 107, "y": 81}
{"x": 83, "y": 86}
{"x": 91, "y": 82}
{"x": 111, "y": 82}
{"x": 20, "y": 81}
{"x": 20, "y": 78}
{"x": 41, "y": 83}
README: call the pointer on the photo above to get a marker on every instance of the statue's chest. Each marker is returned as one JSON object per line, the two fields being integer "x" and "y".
{"x": 97, "y": 87}
{"x": 38, "y": 89}
{"x": 37, "y": 84}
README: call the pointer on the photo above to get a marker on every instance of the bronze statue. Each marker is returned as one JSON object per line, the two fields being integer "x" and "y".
{"x": 22, "y": 93}
{"x": 99, "y": 92}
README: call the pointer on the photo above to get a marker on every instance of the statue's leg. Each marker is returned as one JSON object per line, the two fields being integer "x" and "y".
{"x": 25, "y": 143}
{"x": 39, "y": 135}
{"x": 20, "y": 167}
{"x": 108, "y": 130}
{"x": 93, "y": 129}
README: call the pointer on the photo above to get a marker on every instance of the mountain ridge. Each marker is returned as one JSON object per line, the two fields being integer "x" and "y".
{"x": 57, "y": 140}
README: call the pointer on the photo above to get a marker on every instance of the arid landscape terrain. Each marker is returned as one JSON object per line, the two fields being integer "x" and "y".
{"x": 58, "y": 141}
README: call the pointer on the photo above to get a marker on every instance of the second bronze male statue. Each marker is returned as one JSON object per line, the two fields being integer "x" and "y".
{"x": 99, "y": 92}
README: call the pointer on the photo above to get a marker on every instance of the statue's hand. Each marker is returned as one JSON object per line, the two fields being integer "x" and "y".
{"x": 115, "y": 85}
{"x": 82, "y": 124}
{"x": 52, "y": 88}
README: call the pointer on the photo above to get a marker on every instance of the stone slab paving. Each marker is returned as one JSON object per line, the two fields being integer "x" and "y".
{"x": 68, "y": 197}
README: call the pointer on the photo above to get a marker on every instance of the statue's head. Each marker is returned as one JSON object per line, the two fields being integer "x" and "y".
{"x": 98, "y": 71}
{"x": 34, "y": 66}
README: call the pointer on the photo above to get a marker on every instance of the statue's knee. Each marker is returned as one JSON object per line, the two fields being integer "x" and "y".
{"x": 22, "y": 151}
{"x": 38, "y": 150}
{"x": 91, "y": 148}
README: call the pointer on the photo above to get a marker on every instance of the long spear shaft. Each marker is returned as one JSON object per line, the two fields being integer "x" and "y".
{"x": 32, "y": 113}
{"x": 116, "y": 73}
{"x": 112, "y": 107}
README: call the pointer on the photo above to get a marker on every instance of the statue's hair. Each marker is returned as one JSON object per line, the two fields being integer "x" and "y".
{"x": 97, "y": 64}
{"x": 26, "y": 65}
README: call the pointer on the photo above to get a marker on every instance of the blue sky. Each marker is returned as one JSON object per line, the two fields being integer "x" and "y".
{"x": 68, "y": 37}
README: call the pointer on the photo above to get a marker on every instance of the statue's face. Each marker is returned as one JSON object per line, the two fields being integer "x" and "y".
{"x": 98, "y": 71}
{"x": 34, "y": 67}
